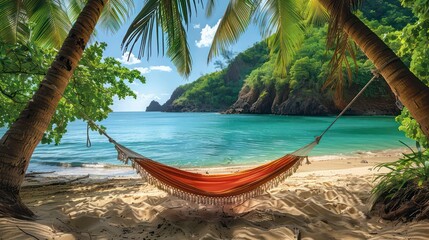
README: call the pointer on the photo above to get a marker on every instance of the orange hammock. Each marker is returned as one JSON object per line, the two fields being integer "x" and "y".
{"x": 217, "y": 188}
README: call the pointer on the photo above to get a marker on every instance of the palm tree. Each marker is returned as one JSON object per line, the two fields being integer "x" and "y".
{"x": 284, "y": 20}
{"x": 18, "y": 143}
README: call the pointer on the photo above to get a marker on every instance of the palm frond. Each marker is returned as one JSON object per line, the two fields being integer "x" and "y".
{"x": 339, "y": 41}
{"x": 284, "y": 17}
{"x": 234, "y": 22}
{"x": 115, "y": 13}
{"x": 340, "y": 64}
{"x": 355, "y": 4}
{"x": 51, "y": 22}
{"x": 178, "y": 48}
{"x": 159, "y": 20}
{"x": 210, "y": 7}
{"x": 315, "y": 13}
{"x": 74, "y": 8}
{"x": 14, "y": 21}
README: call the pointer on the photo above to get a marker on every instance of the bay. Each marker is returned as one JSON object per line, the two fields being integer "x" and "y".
{"x": 212, "y": 139}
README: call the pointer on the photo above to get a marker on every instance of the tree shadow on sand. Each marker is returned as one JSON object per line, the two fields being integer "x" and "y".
{"x": 131, "y": 209}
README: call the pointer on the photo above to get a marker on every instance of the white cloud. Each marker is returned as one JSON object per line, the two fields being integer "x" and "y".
{"x": 207, "y": 35}
{"x": 130, "y": 104}
{"x": 161, "y": 68}
{"x": 149, "y": 97}
{"x": 196, "y": 26}
{"x": 143, "y": 70}
{"x": 128, "y": 59}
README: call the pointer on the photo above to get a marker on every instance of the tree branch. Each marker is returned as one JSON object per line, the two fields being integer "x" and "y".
{"x": 11, "y": 96}
{"x": 23, "y": 72}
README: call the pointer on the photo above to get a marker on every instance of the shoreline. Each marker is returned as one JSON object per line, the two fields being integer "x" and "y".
{"x": 121, "y": 171}
{"x": 327, "y": 199}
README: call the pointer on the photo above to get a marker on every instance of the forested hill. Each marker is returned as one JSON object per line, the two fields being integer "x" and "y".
{"x": 219, "y": 90}
{"x": 249, "y": 84}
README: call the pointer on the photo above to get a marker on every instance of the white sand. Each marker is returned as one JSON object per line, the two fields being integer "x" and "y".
{"x": 324, "y": 200}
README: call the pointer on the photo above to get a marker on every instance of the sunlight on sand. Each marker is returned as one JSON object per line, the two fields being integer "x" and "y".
{"x": 324, "y": 200}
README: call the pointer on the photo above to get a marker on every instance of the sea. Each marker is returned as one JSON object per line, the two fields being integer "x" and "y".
{"x": 210, "y": 140}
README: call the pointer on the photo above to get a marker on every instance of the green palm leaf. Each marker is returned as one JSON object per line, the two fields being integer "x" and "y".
{"x": 210, "y": 7}
{"x": 13, "y": 18}
{"x": 74, "y": 8}
{"x": 340, "y": 42}
{"x": 234, "y": 22}
{"x": 51, "y": 22}
{"x": 115, "y": 13}
{"x": 161, "y": 20}
{"x": 284, "y": 17}
{"x": 178, "y": 48}
{"x": 280, "y": 21}
{"x": 315, "y": 13}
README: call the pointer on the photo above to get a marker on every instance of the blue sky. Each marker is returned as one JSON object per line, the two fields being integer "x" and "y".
{"x": 161, "y": 75}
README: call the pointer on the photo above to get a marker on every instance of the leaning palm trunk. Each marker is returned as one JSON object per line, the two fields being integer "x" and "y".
{"x": 19, "y": 142}
{"x": 412, "y": 92}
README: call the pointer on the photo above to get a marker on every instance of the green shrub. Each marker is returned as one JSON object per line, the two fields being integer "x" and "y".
{"x": 403, "y": 193}
{"x": 412, "y": 167}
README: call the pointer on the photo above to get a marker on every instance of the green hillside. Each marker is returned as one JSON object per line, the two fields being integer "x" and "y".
{"x": 249, "y": 84}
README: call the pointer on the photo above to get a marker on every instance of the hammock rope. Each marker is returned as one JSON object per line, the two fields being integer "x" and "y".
{"x": 215, "y": 189}
{"x": 376, "y": 75}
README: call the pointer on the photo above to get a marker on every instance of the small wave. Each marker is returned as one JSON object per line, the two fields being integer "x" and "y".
{"x": 104, "y": 165}
{"x": 58, "y": 164}
{"x": 78, "y": 164}
{"x": 327, "y": 157}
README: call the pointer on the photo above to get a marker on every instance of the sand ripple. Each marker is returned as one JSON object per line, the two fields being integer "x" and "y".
{"x": 321, "y": 205}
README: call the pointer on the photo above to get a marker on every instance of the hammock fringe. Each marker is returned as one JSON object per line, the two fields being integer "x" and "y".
{"x": 206, "y": 200}
{"x": 209, "y": 200}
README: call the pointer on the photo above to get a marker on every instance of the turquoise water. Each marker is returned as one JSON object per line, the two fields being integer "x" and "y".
{"x": 211, "y": 139}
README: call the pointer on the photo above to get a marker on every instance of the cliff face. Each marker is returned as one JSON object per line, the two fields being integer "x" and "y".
{"x": 169, "y": 106}
{"x": 308, "y": 99}
{"x": 303, "y": 100}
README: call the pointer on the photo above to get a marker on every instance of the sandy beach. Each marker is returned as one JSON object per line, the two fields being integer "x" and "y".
{"x": 327, "y": 199}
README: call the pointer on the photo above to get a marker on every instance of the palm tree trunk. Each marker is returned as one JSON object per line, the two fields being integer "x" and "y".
{"x": 18, "y": 143}
{"x": 412, "y": 92}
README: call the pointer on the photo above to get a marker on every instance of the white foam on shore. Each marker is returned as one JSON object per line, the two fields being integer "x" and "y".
{"x": 94, "y": 172}
{"x": 118, "y": 171}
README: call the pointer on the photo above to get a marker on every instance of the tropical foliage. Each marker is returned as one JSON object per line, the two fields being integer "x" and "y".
{"x": 414, "y": 46}
{"x": 402, "y": 193}
{"x": 96, "y": 82}
{"x": 166, "y": 23}
{"x": 46, "y": 23}
{"x": 19, "y": 17}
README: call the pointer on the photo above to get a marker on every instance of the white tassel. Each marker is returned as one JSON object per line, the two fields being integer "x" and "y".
{"x": 199, "y": 199}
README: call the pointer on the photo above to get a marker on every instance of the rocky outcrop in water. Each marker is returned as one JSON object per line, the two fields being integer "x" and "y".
{"x": 154, "y": 106}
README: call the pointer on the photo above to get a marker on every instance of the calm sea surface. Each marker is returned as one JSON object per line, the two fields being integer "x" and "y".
{"x": 210, "y": 139}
